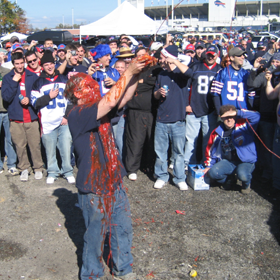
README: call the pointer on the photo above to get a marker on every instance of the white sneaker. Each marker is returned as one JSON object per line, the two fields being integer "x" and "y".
{"x": 50, "y": 180}
{"x": 24, "y": 175}
{"x": 132, "y": 176}
{"x": 182, "y": 186}
{"x": 171, "y": 166}
{"x": 159, "y": 184}
{"x": 71, "y": 179}
{"x": 38, "y": 175}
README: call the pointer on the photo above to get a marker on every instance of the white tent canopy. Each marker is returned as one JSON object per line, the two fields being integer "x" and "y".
{"x": 9, "y": 36}
{"x": 125, "y": 19}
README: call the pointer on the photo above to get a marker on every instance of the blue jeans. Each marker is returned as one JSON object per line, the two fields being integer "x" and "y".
{"x": 61, "y": 138}
{"x": 224, "y": 168}
{"x": 98, "y": 222}
{"x": 275, "y": 160}
{"x": 118, "y": 130}
{"x": 193, "y": 124}
{"x": 176, "y": 133}
{"x": 9, "y": 147}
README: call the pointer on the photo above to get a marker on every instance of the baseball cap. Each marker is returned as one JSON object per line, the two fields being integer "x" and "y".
{"x": 15, "y": 47}
{"x": 190, "y": 48}
{"x": 155, "y": 46}
{"x": 212, "y": 49}
{"x": 262, "y": 44}
{"x": 37, "y": 49}
{"x": 54, "y": 47}
{"x": 48, "y": 49}
{"x": 14, "y": 39}
{"x": 61, "y": 47}
{"x": 236, "y": 51}
{"x": 199, "y": 44}
{"x": 8, "y": 45}
{"x": 112, "y": 39}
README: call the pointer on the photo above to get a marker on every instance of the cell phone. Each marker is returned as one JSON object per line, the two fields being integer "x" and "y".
{"x": 263, "y": 61}
{"x": 56, "y": 86}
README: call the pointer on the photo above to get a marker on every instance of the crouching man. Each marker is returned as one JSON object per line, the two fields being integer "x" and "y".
{"x": 231, "y": 148}
{"x": 102, "y": 197}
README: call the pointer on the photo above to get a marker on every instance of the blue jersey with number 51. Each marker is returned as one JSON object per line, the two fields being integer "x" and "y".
{"x": 231, "y": 86}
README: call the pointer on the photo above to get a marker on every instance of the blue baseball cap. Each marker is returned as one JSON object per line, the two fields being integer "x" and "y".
{"x": 61, "y": 47}
{"x": 16, "y": 47}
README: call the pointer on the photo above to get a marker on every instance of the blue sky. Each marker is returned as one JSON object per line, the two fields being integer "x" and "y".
{"x": 49, "y": 13}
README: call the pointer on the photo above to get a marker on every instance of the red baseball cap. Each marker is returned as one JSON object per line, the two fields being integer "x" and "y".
{"x": 190, "y": 48}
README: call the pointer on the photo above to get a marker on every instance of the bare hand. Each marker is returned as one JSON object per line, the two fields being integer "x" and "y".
{"x": 17, "y": 77}
{"x": 257, "y": 63}
{"x": 33, "y": 43}
{"x": 53, "y": 93}
{"x": 205, "y": 170}
{"x": 25, "y": 101}
{"x": 268, "y": 76}
{"x": 0, "y": 84}
{"x": 189, "y": 109}
{"x": 135, "y": 67}
{"x": 162, "y": 92}
{"x": 68, "y": 55}
{"x": 170, "y": 60}
{"x": 92, "y": 69}
{"x": 109, "y": 82}
{"x": 64, "y": 121}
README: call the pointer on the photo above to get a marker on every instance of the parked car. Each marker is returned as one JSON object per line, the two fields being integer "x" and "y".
{"x": 263, "y": 37}
{"x": 58, "y": 37}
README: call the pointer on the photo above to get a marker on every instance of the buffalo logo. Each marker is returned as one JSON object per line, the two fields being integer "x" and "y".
{"x": 219, "y": 3}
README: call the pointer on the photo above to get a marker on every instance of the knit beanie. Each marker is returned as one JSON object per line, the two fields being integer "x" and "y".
{"x": 47, "y": 57}
{"x": 170, "y": 51}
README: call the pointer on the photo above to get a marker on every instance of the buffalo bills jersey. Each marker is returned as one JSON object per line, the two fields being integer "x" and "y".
{"x": 201, "y": 80}
{"x": 52, "y": 114}
{"x": 231, "y": 86}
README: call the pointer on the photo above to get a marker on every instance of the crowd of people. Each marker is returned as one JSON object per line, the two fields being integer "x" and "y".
{"x": 122, "y": 107}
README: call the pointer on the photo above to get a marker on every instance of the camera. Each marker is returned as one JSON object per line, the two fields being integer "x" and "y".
{"x": 73, "y": 52}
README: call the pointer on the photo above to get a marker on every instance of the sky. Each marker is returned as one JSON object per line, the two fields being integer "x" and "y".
{"x": 50, "y": 13}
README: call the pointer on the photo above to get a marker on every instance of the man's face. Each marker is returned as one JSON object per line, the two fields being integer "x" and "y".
{"x": 237, "y": 60}
{"x": 32, "y": 61}
{"x": 49, "y": 68}
{"x": 48, "y": 44}
{"x": 120, "y": 66}
{"x": 73, "y": 59}
{"x": 162, "y": 61}
{"x": 199, "y": 51}
{"x": 81, "y": 54}
{"x": 19, "y": 65}
{"x": 276, "y": 63}
{"x": 210, "y": 58}
{"x": 113, "y": 46}
{"x": 105, "y": 60}
{"x": 39, "y": 54}
{"x": 141, "y": 53}
{"x": 191, "y": 54}
{"x": 244, "y": 44}
{"x": 229, "y": 122}
{"x": 61, "y": 54}
{"x": 54, "y": 53}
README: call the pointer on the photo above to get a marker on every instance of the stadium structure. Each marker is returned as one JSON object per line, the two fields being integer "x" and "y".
{"x": 214, "y": 13}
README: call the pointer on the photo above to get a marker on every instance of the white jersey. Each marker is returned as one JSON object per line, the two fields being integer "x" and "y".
{"x": 50, "y": 115}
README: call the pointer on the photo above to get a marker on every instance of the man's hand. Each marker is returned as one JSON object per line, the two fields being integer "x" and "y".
{"x": 205, "y": 170}
{"x": 268, "y": 76}
{"x": 92, "y": 69}
{"x": 25, "y": 101}
{"x": 109, "y": 82}
{"x": 189, "y": 109}
{"x": 162, "y": 92}
{"x": 68, "y": 55}
{"x": 64, "y": 121}
{"x": 257, "y": 62}
{"x": 17, "y": 77}
{"x": 135, "y": 67}
{"x": 53, "y": 93}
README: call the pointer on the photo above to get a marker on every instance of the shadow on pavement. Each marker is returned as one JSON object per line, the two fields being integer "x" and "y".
{"x": 74, "y": 221}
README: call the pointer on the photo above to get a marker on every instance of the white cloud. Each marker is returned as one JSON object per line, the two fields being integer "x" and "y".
{"x": 45, "y": 17}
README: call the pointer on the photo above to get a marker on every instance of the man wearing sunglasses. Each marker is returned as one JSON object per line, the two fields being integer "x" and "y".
{"x": 231, "y": 148}
{"x": 33, "y": 63}
{"x": 230, "y": 84}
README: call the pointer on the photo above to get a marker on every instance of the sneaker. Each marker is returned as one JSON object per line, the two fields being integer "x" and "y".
{"x": 132, "y": 176}
{"x": 13, "y": 171}
{"x": 171, "y": 166}
{"x": 1, "y": 170}
{"x": 50, "y": 180}
{"x": 71, "y": 179}
{"x": 24, "y": 175}
{"x": 246, "y": 191}
{"x": 38, "y": 175}
{"x": 182, "y": 186}
{"x": 159, "y": 184}
{"x": 129, "y": 276}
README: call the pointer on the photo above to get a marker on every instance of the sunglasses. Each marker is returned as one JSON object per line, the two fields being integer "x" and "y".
{"x": 30, "y": 61}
